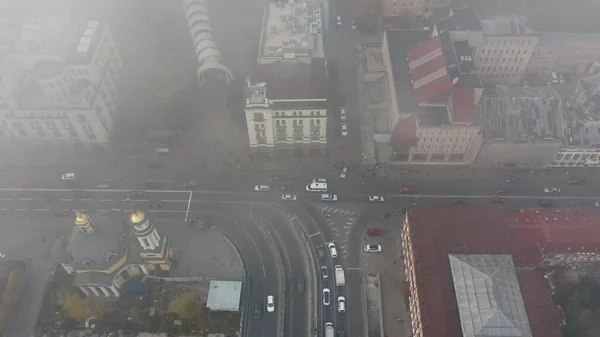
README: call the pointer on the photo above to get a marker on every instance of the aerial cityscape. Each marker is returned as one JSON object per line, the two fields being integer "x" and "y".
{"x": 300, "y": 168}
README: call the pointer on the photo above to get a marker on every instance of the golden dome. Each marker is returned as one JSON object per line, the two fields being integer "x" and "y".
{"x": 137, "y": 216}
{"x": 81, "y": 218}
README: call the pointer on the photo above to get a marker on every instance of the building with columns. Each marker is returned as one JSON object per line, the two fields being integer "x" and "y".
{"x": 105, "y": 252}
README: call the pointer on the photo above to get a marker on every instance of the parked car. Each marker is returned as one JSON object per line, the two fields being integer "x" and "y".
{"x": 374, "y": 231}
{"x": 288, "y": 197}
{"x": 270, "y": 303}
{"x": 68, "y": 176}
{"x": 511, "y": 180}
{"x": 328, "y": 197}
{"x": 551, "y": 189}
{"x": 344, "y": 172}
{"x": 103, "y": 186}
{"x": 332, "y": 250}
{"x": 372, "y": 248}
{"x": 262, "y": 188}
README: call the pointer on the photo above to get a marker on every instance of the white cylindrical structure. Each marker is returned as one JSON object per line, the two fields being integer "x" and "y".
{"x": 209, "y": 57}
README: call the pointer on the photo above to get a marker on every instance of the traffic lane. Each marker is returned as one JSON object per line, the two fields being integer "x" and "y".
{"x": 297, "y": 319}
{"x": 262, "y": 263}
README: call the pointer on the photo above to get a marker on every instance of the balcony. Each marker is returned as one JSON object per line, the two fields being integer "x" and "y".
{"x": 258, "y": 117}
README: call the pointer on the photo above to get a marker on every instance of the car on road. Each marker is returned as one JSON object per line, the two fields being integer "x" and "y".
{"x": 68, "y": 176}
{"x": 497, "y": 200}
{"x": 353, "y": 25}
{"x": 324, "y": 273}
{"x": 136, "y": 194}
{"x": 344, "y": 129}
{"x": 374, "y": 232}
{"x": 372, "y": 248}
{"x": 300, "y": 284}
{"x": 597, "y": 204}
{"x": 575, "y": 180}
{"x": 341, "y": 304}
{"x": 278, "y": 177}
{"x": 103, "y": 186}
{"x": 157, "y": 204}
{"x": 376, "y": 198}
{"x": 343, "y": 113}
{"x": 258, "y": 310}
{"x": 262, "y": 188}
{"x": 344, "y": 172}
{"x": 407, "y": 190}
{"x": 326, "y": 297}
{"x": 501, "y": 191}
{"x": 320, "y": 180}
{"x": 289, "y": 197}
{"x": 511, "y": 180}
{"x": 189, "y": 185}
{"x": 320, "y": 253}
{"x": 551, "y": 189}
{"x": 546, "y": 202}
{"x": 332, "y": 250}
{"x": 270, "y": 303}
{"x": 338, "y": 20}
{"x": 341, "y": 333}
{"x": 328, "y": 197}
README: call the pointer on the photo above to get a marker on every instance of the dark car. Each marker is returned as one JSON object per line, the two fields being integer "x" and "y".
{"x": 278, "y": 177}
{"x": 575, "y": 181}
{"x": 324, "y": 273}
{"x": 157, "y": 204}
{"x": 258, "y": 310}
{"x": 341, "y": 333}
{"x": 300, "y": 284}
{"x": 546, "y": 202}
{"x": 320, "y": 253}
{"x": 501, "y": 191}
{"x": 137, "y": 194}
{"x": 374, "y": 231}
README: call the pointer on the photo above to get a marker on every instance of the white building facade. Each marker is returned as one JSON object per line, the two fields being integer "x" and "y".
{"x": 60, "y": 82}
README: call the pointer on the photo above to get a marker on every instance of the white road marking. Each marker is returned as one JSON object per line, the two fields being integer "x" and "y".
{"x": 3, "y": 209}
{"x": 25, "y": 199}
{"x": 21, "y": 209}
{"x": 66, "y": 199}
{"x": 5, "y": 199}
{"x": 353, "y": 268}
{"x": 105, "y": 200}
{"x": 102, "y": 210}
{"x": 42, "y": 209}
{"x": 86, "y": 199}
{"x": 314, "y": 234}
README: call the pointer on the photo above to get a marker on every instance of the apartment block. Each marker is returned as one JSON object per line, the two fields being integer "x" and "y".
{"x": 59, "y": 80}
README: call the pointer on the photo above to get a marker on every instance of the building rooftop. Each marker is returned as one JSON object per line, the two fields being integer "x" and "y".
{"x": 568, "y": 16}
{"x": 507, "y": 25}
{"x": 29, "y": 95}
{"x": 224, "y": 295}
{"x": 463, "y": 102}
{"x": 292, "y": 30}
{"x": 521, "y": 115}
{"x": 488, "y": 296}
{"x": 460, "y": 19}
{"x": 296, "y": 81}
{"x": 439, "y": 232}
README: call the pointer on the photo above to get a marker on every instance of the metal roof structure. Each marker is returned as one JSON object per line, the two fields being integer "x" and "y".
{"x": 488, "y": 296}
{"x": 224, "y": 295}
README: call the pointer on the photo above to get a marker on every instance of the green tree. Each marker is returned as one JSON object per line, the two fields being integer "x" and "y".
{"x": 80, "y": 308}
{"x": 187, "y": 306}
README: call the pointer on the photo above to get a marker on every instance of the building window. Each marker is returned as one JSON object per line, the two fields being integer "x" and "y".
{"x": 56, "y": 134}
{"x": 73, "y": 134}
{"x": 92, "y": 136}
{"x": 41, "y": 134}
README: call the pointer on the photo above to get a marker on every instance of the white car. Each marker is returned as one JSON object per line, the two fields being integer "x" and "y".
{"x": 597, "y": 204}
{"x": 343, "y": 113}
{"x": 341, "y": 304}
{"x": 262, "y": 188}
{"x": 332, "y": 250}
{"x": 344, "y": 129}
{"x": 353, "y": 25}
{"x": 551, "y": 189}
{"x": 326, "y": 297}
{"x": 328, "y": 197}
{"x": 376, "y": 198}
{"x": 103, "y": 186}
{"x": 68, "y": 176}
{"x": 338, "y": 20}
{"x": 289, "y": 197}
{"x": 373, "y": 248}
{"x": 270, "y": 303}
{"x": 344, "y": 172}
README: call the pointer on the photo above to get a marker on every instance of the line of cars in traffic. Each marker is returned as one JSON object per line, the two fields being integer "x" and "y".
{"x": 340, "y": 281}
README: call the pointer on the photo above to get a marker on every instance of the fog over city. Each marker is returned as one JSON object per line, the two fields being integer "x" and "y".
{"x": 299, "y": 168}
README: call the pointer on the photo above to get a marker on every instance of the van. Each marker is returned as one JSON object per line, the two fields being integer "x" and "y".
{"x": 317, "y": 187}
{"x": 328, "y": 197}
{"x": 553, "y": 77}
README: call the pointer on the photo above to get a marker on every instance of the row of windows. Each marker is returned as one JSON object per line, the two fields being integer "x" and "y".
{"x": 501, "y": 69}
{"x": 504, "y": 60}
{"x": 297, "y": 122}
{"x": 503, "y": 51}
{"x": 297, "y": 113}
{"x": 492, "y": 42}
{"x": 50, "y": 125}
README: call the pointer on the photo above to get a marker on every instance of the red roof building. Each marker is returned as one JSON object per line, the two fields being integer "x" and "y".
{"x": 428, "y": 71}
{"x": 542, "y": 238}
{"x": 462, "y": 105}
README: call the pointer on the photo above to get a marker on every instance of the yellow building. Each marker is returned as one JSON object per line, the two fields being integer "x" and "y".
{"x": 105, "y": 252}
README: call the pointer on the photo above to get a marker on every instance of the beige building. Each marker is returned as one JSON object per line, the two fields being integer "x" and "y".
{"x": 291, "y": 32}
{"x": 286, "y": 109}
{"x": 421, "y": 8}
{"x": 508, "y": 44}
{"x": 59, "y": 82}
{"x": 564, "y": 52}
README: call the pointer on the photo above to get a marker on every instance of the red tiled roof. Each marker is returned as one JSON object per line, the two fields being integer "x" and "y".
{"x": 545, "y": 318}
{"x": 428, "y": 71}
{"x": 463, "y": 106}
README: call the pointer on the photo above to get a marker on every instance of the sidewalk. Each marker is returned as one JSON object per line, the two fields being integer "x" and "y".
{"x": 396, "y": 319}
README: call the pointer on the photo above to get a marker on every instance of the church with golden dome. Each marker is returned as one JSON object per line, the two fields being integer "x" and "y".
{"x": 106, "y": 251}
